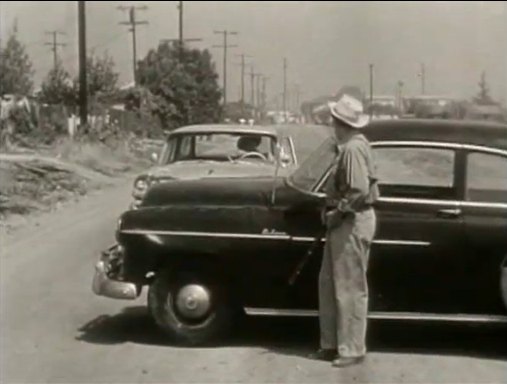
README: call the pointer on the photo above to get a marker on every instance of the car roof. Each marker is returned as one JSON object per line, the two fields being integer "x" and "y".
{"x": 278, "y": 130}
{"x": 225, "y": 128}
{"x": 480, "y": 133}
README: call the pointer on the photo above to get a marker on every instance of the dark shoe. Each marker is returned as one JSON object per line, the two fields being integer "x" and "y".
{"x": 324, "y": 354}
{"x": 347, "y": 361}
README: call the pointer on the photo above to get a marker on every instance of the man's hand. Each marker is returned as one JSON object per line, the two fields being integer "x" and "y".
{"x": 333, "y": 218}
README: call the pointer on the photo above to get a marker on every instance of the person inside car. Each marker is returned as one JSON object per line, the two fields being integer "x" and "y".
{"x": 248, "y": 146}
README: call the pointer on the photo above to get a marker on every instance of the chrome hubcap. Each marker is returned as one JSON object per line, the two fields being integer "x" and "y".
{"x": 193, "y": 301}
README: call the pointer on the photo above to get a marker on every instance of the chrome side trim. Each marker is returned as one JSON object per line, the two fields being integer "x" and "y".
{"x": 479, "y": 204}
{"x": 404, "y": 200}
{"x": 384, "y": 315}
{"x": 305, "y": 239}
{"x": 379, "y": 241}
{"x": 152, "y": 235}
{"x": 206, "y": 234}
{"x": 402, "y": 242}
{"x": 454, "y": 203}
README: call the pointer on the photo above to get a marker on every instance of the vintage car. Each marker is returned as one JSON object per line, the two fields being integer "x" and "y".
{"x": 212, "y": 248}
{"x": 218, "y": 150}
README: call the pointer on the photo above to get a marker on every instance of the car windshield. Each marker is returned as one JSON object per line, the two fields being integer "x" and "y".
{"x": 308, "y": 175}
{"x": 254, "y": 147}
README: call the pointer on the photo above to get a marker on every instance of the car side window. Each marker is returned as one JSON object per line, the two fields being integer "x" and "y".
{"x": 486, "y": 178}
{"x": 185, "y": 148}
{"x": 415, "y": 172}
{"x": 285, "y": 150}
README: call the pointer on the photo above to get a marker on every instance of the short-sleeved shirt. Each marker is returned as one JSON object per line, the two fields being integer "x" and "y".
{"x": 354, "y": 182}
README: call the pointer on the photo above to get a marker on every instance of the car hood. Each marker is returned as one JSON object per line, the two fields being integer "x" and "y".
{"x": 190, "y": 170}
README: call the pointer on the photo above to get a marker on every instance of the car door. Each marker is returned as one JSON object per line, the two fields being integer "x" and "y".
{"x": 485, "y": 217}
{"x": 415, "y": 254}
{"x": 415, "y": 260}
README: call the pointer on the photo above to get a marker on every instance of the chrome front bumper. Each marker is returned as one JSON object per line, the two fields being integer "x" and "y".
{"x": 103, "y": 285}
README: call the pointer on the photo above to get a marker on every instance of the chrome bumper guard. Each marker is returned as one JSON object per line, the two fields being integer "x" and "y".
{"x": 103, "y": 285}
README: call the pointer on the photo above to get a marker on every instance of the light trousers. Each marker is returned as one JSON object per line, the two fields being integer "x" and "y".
{"x": 343, "y": 287}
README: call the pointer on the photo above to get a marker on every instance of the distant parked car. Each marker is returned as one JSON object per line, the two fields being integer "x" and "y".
{"x": 212, "y": 247}
{"x": 232, "y": 150}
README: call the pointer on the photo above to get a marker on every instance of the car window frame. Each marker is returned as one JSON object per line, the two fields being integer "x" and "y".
{"x": 471, "y": 149}
{"x": 178, "y": 137}
{"x": 454, "y": 189}
{"x": 457, "y": 185}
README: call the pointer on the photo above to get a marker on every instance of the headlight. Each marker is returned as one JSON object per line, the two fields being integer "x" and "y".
{"x": 141, "y": 184}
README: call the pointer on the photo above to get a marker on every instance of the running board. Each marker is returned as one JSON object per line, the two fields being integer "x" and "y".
{"x": 465, "y": 318}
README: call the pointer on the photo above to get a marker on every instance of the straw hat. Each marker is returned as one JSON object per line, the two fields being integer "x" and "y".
{"x": 349, "y": 110}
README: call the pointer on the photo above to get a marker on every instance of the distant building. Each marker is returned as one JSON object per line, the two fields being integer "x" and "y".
{"x": 486, "y": 112}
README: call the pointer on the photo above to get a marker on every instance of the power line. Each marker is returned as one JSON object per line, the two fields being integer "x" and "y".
{"x": 225, "y": 33}
{"x": 55, "y": 44}
{"x": 133, "y": 23}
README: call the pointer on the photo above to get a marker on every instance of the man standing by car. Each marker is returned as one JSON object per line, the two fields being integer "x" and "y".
{"x": 351, "y": 223}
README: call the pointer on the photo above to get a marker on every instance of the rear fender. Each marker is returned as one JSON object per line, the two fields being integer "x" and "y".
{"x": 503, "y": 281}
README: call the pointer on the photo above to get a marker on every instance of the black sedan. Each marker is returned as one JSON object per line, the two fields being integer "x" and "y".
{"x": 212, "y": 248}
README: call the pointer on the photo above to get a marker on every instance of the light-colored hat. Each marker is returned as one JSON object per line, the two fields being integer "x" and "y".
{"x": 349, "y": 110}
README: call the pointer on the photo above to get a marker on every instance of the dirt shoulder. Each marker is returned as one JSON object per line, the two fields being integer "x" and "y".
{"x": 35, "y": 183}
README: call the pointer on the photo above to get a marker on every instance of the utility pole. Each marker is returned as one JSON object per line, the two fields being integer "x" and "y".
{"x": 54, "y": 45}
{"x": 225, "y": 33}
{"x": 181, "y": 41}
{"x": 252, "y": 86}
{"x": 258, "y": 91}
{"x": 371, "y": 90}
{"x": 264, "y": 80}
{"x": 297, "y": 92}
{"x": 284, "y": 85}
{"x": 242, "y": 64}
{"x": 133, "y": 23}
{"x": 400, "y": 95}
{"x": 422, "y": 75}
{"x": 83, "y": 91}
{"x": 180, "y": 9}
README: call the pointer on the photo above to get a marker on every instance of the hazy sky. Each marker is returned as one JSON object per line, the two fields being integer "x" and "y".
{"x": 327, "y": 44}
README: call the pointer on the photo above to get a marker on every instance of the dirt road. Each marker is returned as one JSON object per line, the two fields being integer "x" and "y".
{"x": 54, "y": 330}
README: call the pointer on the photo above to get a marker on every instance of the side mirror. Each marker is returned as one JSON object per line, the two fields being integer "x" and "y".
{"x": 154, "y": 157}
{"x": 284, "y": 159}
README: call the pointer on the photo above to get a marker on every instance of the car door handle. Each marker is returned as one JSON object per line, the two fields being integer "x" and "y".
{"x": 449, "y": 213}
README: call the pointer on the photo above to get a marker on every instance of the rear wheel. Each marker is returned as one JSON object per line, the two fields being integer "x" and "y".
{"x": 190, "y": 308}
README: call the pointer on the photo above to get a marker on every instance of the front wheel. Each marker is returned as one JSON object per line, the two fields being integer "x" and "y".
{"x": 190, "y": 308}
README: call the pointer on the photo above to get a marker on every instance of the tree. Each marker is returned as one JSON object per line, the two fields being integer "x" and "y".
{"x": 483, "y": 98}
{"x": 15, "y": 68}
{"x": 185, "y": 85}
{"x": 58, "y": 88}
{"x": 101, "y": 76}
